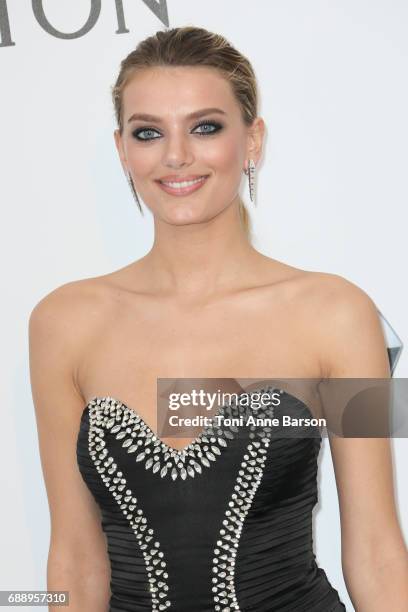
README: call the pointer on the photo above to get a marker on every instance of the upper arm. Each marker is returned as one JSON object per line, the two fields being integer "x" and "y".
{"x": 353, "y": 339}
{"x": 54, "y": 329}
{"x": 353, "y": 346}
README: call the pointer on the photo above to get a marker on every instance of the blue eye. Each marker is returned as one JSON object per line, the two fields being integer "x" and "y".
{"x": 213, "y": 125}
{"x": 137, "y": 133}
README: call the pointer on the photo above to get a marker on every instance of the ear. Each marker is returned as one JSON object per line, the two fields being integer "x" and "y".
{"x": 120, "y": 149}
{"x": 255, "y": 139}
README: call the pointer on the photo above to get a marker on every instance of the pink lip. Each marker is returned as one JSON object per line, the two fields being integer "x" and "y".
{"x": 181, "y": 191}
{"x": 180, "y": 177}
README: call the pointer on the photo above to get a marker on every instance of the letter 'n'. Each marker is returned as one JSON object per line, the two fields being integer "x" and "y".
{"x": 158, "y": 8}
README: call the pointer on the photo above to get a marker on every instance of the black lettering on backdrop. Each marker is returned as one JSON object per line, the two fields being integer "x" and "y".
{"x": 5, "y": 34}
{"x": 38, "y": 11}
{"x": 158, "y": 8}
{"x": 122, "y": 29}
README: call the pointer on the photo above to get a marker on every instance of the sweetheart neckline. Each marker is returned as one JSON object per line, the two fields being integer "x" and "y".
{"x": 175, "y": 451}
{"x": 179, "y": 452}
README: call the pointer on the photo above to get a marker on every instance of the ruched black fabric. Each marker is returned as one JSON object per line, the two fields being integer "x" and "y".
{"x": 217, "y": 555}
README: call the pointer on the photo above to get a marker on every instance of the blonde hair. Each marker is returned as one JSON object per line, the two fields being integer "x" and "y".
{"x": 193, "y": 46}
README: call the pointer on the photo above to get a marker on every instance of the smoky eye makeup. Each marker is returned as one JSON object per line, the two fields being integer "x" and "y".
{"x": 142, "y": 134}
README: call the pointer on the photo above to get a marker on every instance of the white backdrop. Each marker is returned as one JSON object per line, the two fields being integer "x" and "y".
{"x": 332, "y": 190}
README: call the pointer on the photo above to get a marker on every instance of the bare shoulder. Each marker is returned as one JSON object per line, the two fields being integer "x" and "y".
{"x": 74, "y": 302}
{"x": 342, "y": 305}
{"x": 317, "y": 287}
{"x": 348, "y": 327}
{"x": 85, "y": 298}
{"x": 329, "y": 297}
{"x": 332, "y": 291}
{"x": 63, "y": 321}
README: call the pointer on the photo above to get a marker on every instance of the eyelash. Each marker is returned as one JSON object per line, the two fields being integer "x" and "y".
{"x": 215, "y": 124}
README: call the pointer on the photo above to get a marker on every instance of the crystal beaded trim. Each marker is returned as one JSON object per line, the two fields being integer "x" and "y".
{"x": 248, "y": 480}
{"x": 128, "y": 504}
{"x": 162, "y": 459}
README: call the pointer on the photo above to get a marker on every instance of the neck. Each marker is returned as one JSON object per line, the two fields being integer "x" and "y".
{"x": 200, "y": 259}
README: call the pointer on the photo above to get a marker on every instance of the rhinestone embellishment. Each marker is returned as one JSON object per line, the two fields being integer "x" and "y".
{"x": 125, "y": 424}
{"x": 114, "y": 480}
{"x": 247, "y": 482}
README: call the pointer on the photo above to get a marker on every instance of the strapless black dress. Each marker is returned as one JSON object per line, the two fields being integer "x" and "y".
{"x": 224, "y": 524}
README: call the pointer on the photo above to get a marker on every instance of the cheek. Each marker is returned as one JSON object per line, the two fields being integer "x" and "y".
{"x": 143, "y": 159}
{"x": 226, "y": 156}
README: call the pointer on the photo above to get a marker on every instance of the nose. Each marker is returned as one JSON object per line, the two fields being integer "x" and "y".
{"x": 177, "y": 152}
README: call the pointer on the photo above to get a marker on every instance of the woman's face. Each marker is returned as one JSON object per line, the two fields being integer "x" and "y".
{"x": 162, "y": 141}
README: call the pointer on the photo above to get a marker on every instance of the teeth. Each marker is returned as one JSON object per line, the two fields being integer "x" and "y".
{"x": 181, "y": 184}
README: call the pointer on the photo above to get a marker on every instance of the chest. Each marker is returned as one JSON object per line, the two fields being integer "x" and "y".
{"x": 138, "y": 343}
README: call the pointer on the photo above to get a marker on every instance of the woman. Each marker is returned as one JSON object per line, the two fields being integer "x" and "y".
{"x": 125, "y": 535}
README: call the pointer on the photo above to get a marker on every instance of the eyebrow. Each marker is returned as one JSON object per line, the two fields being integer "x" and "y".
{"x": 195, "y": 115}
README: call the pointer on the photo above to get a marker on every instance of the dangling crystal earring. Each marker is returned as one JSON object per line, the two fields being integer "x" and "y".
{"x": 250, "y": 171}
{"x": 132, "y": 187}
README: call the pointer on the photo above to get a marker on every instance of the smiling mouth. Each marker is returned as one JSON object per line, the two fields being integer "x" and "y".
{"x": 183, "y": 187}
{"x": 178, "y": 184}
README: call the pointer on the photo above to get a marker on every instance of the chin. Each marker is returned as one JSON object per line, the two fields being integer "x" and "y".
{"x": 184, "y": 219}
{"x": 182, "y": 214}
